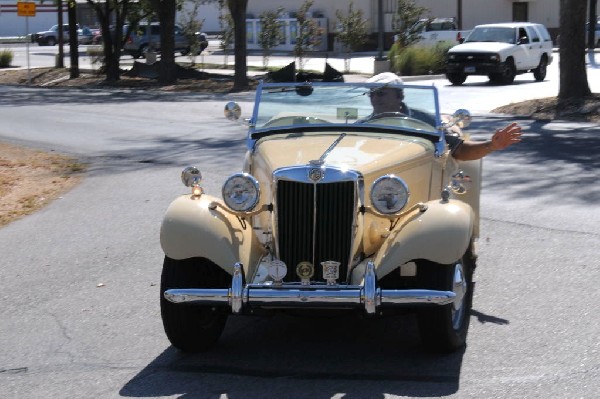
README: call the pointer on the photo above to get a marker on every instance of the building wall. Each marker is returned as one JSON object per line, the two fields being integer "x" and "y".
{"x": 13, "y": 25}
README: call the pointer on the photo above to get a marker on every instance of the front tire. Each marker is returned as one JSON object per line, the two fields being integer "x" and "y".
{"x": 192, "y": 328}
{"x": 507, "y": 76}
{"x": 443, "y": 329}
{"x": 50, "y": 41}
{"x": 456, "y": 78}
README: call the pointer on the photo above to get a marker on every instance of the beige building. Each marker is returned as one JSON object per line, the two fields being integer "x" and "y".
{"x": 472, "y": 12}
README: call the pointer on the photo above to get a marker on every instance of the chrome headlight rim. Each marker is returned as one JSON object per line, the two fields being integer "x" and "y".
{"x": 403, "y": 194}
{"x": 191, "y": 176}
{"x": 246, "y": 206}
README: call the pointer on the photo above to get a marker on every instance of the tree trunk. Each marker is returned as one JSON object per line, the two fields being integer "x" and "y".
{"x": 237, "y": 8}
{"x": 573, "y": 75}
{"x": 591, "y": 34}
{"x": 167, "y": 70}
{"x": 73, "y": 40}
{"x": 111, "y": 47}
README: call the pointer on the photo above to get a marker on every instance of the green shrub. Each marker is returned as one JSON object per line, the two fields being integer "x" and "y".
{"x": 410, "y": 60}
{"x": 6, "y": 57}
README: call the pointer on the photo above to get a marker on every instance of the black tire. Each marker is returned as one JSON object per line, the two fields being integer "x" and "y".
{"x": 443, "y": 329}
{"x": 539, "y": 73}
{"x": 185, "y": 51}
{"x": 507, "y": 76}
{"x": 50, "y": 41}
{"x": 192, "y": 328}
{"x": 456, "y": 78}
{"x": 494, "y": 77}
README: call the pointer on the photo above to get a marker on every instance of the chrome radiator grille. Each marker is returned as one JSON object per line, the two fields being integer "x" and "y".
{"x": 314, "y": 223}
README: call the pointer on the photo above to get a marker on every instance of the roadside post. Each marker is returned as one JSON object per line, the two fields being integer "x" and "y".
{"x": 26, "y": 9}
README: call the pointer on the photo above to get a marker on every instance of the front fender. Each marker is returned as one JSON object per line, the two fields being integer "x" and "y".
{"x": 190, "y": 229}
{"x": 441, "y": 234}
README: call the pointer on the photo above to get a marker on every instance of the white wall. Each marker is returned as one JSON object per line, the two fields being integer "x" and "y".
{"x": 13, "y": 25}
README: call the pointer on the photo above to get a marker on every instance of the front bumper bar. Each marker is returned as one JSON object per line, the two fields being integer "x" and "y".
{"x": 368, "y": 296}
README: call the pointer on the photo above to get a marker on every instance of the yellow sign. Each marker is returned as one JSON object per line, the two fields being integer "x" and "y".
{"x": 26, "y": 9}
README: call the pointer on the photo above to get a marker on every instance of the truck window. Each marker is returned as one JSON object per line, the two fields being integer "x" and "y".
{"x": 533, "y": 36}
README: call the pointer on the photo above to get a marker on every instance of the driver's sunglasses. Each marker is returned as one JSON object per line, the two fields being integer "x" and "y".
{"x": 376, "y": 93}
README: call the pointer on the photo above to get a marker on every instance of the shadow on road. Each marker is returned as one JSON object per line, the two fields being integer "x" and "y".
{"x": 367, "y": 357}
{"x": 28, "y": 96}
{"x": 553, "y": 158}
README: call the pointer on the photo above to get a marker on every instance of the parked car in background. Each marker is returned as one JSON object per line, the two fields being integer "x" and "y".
{"x": 50, "y": 36}
{"x": 335, "y": 208}
{"x": 501, "y": 51}
{"x": 596, "y": 35}
{"x": 147, "y": 36}
{"x": 85, "y": 35}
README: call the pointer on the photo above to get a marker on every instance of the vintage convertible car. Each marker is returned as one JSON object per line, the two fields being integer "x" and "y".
{"x": 335, "y": 209}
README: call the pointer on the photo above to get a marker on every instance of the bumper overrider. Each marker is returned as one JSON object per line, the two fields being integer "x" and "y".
{"x": 284, "y": 295}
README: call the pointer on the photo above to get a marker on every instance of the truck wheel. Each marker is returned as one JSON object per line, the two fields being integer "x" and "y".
{"x": 539, "y": 73}
{"x": 192, "y": 328}
{"x": 443, "y": 329}
{"x": 507, "y": 76}
{"x": 50, "y": 41}
{"x": 456, "y": 78}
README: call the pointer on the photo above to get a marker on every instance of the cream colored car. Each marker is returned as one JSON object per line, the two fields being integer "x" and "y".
{"x": 334, "y": 208}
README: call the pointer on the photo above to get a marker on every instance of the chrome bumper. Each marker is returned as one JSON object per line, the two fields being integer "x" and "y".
{"x": 368, "y": 296}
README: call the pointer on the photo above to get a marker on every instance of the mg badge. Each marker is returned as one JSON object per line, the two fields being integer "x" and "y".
{"x": 305, "y": 270}
{"x": 315, "y": 174}
{"x": 331, "y": 271}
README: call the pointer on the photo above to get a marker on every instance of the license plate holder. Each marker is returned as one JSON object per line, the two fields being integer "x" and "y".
{"x": 469, "y": 69}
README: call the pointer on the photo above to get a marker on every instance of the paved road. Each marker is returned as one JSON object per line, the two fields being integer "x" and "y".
{"x": 533, "y": 329}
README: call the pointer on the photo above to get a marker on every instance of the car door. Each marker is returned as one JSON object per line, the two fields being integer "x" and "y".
{"x": 536, "y": 46}
{"x": 523, "y": 52}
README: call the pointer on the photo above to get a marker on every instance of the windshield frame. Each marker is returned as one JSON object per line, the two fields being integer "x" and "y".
{"x": 256, "y": 132}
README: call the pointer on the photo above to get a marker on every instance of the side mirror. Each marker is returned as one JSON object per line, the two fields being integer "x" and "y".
{"x": 461, "y": 118}
{"x": 524, "y": 40}
{"x": 233, "y": 111}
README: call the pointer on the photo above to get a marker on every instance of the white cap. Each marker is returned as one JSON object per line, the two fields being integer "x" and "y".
{"x": 386, "y": 77}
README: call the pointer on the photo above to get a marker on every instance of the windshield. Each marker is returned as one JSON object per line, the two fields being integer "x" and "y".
{"x": 366, "y": 107}
{"x": 485, "y": 34}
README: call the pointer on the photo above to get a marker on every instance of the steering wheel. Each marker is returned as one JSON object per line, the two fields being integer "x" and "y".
{"x": 382, "y": 115}
{"x": 295, "y": 120}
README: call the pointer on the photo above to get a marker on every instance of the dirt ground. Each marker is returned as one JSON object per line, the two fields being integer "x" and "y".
{"x": 30, "y": 179}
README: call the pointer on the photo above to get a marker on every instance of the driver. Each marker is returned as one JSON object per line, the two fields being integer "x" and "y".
{"x": 388, "y": 99}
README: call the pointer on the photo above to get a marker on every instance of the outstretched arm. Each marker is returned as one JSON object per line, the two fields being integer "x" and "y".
{"x": 470, "y": 150}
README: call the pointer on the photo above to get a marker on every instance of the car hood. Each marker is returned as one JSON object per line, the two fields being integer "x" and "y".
{"x": 367, "y": 154}
{"x": 481, "y": 47}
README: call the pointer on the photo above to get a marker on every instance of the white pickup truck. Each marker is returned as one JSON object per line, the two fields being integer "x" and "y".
{"x": 436, "y": 30}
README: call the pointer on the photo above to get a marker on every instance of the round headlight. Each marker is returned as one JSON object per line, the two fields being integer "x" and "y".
{"x": 241, "y": 192}
{"x": 389, "y": 194}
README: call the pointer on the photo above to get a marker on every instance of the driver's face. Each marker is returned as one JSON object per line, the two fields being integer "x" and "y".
{"x": 385, "y": 100}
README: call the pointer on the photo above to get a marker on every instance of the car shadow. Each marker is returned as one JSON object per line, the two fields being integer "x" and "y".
{"x": 370, "y": 356}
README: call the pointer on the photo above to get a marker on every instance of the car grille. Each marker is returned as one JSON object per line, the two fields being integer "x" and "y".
{"x": 315, "y": 224}
{"x": 471, "y": 58}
